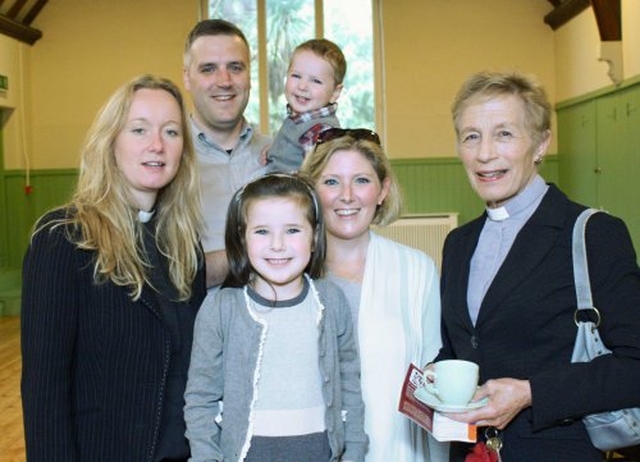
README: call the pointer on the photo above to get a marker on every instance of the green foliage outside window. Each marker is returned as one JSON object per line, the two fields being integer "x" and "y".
{"x": 348, "y": 23}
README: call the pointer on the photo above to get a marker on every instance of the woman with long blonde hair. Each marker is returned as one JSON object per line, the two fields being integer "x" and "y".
{"x": 112, "y": 283}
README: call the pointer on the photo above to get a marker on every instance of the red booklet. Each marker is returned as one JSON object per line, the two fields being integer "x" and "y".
{"x": 409, "y": 405}
{"x": 441, "y": 427}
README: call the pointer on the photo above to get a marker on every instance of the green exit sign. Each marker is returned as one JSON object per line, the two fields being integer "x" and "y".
{"x": 4, "y": 82}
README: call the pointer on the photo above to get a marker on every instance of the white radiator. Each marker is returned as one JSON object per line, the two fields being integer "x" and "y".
{"x": 423, "y": 232}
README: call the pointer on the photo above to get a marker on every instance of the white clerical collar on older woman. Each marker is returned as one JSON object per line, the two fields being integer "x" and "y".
{"x": 499, "y": 214}
{"x": 527, "y": 200}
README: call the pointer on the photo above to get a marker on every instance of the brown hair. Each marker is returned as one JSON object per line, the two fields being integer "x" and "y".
{"x": 330, "y": 52}
{"x": 209, "y": 27}
{"x": 271, "y": 185}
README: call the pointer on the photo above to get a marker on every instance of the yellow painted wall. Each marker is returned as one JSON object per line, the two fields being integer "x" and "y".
{"x": 631, "y": 37}
{"x": 578, "y": 69}
{"x": 88, "y": 48}
{"x": 14, "y": 58}
{"x": 9, "y": 66}
{"x": 577, "y": 51}
{"x": 430, "y": 47}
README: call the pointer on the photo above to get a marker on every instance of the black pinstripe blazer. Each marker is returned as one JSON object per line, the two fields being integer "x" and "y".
{"x": 95, "y": 363}
{"x": 525, "y": 327}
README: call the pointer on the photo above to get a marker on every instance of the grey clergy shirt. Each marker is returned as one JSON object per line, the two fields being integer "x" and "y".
{"x": 496, "y": 238}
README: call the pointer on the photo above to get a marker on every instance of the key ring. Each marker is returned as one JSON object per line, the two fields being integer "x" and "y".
{"x": 493, "y": 440}
{"x": 491, "y": 432}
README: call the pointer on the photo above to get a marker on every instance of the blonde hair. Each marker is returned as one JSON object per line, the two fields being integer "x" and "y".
{"x": 315, "y": 163}
{"x": 102, "y": 218}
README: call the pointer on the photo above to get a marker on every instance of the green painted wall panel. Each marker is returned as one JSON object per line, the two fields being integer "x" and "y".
{"x": 577, "y": 145}
{"x": 599, "y": 144}
{"x": 4, "y": 236}
{"x": 629, "y": 191}
{"x": 618, "y": 147}
{"x": 50, "y": 189}
{"x": 436, "y": 186}
{"x": 428, "y": 185}
{"x": 441, "y": 186}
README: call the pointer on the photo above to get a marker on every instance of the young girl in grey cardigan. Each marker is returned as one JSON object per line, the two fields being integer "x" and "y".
{"x": 275, "y": 344}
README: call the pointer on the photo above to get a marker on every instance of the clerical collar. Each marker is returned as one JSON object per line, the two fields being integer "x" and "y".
{"x": 144, "y": 217}
{"x": 498, "y": 214}
{"x": 520, "y": 202}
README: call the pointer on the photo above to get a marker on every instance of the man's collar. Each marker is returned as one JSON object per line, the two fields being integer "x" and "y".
{"x": 206, "y": 136}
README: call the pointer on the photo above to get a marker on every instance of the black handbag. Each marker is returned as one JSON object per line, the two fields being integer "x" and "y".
{"x": 608, "y": 430}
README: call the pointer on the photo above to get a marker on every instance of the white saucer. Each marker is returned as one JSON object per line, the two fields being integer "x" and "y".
{"x": 434, "y": 402}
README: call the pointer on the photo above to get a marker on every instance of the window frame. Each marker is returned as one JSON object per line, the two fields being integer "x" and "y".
{"x": 379, "y": 118}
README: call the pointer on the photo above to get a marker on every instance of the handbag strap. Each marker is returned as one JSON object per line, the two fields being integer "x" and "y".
{"x": 580, "y": 265}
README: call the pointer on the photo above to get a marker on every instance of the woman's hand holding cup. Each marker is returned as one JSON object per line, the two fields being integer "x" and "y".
{"x": 452, "y": 381}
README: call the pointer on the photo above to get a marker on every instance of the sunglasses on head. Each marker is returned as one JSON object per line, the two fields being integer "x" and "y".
{"x": 356, "y": 133}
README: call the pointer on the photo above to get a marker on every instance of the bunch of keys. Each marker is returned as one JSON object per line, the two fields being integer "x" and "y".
{"x": 493, "y": 441}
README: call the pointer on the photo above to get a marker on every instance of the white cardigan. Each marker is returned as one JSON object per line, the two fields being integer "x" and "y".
{"x": 398, "y": 324}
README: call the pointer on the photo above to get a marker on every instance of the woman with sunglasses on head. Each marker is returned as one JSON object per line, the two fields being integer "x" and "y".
{"x": 392, "y": 289}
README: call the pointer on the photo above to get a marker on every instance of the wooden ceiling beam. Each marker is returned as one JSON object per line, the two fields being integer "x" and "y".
{"x": 15, "y": 9}
{"x": 18, "y": 31}
{"x": 33, "y": 12}
{"x": 566, "y": 11}
{"x": 609, "y": 19}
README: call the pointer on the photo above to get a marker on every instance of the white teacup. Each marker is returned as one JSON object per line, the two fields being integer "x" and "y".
{"x": 453, "y": 381}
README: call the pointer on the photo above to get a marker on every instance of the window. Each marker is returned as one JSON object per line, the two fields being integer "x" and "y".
{"x": 275, "y": 27}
